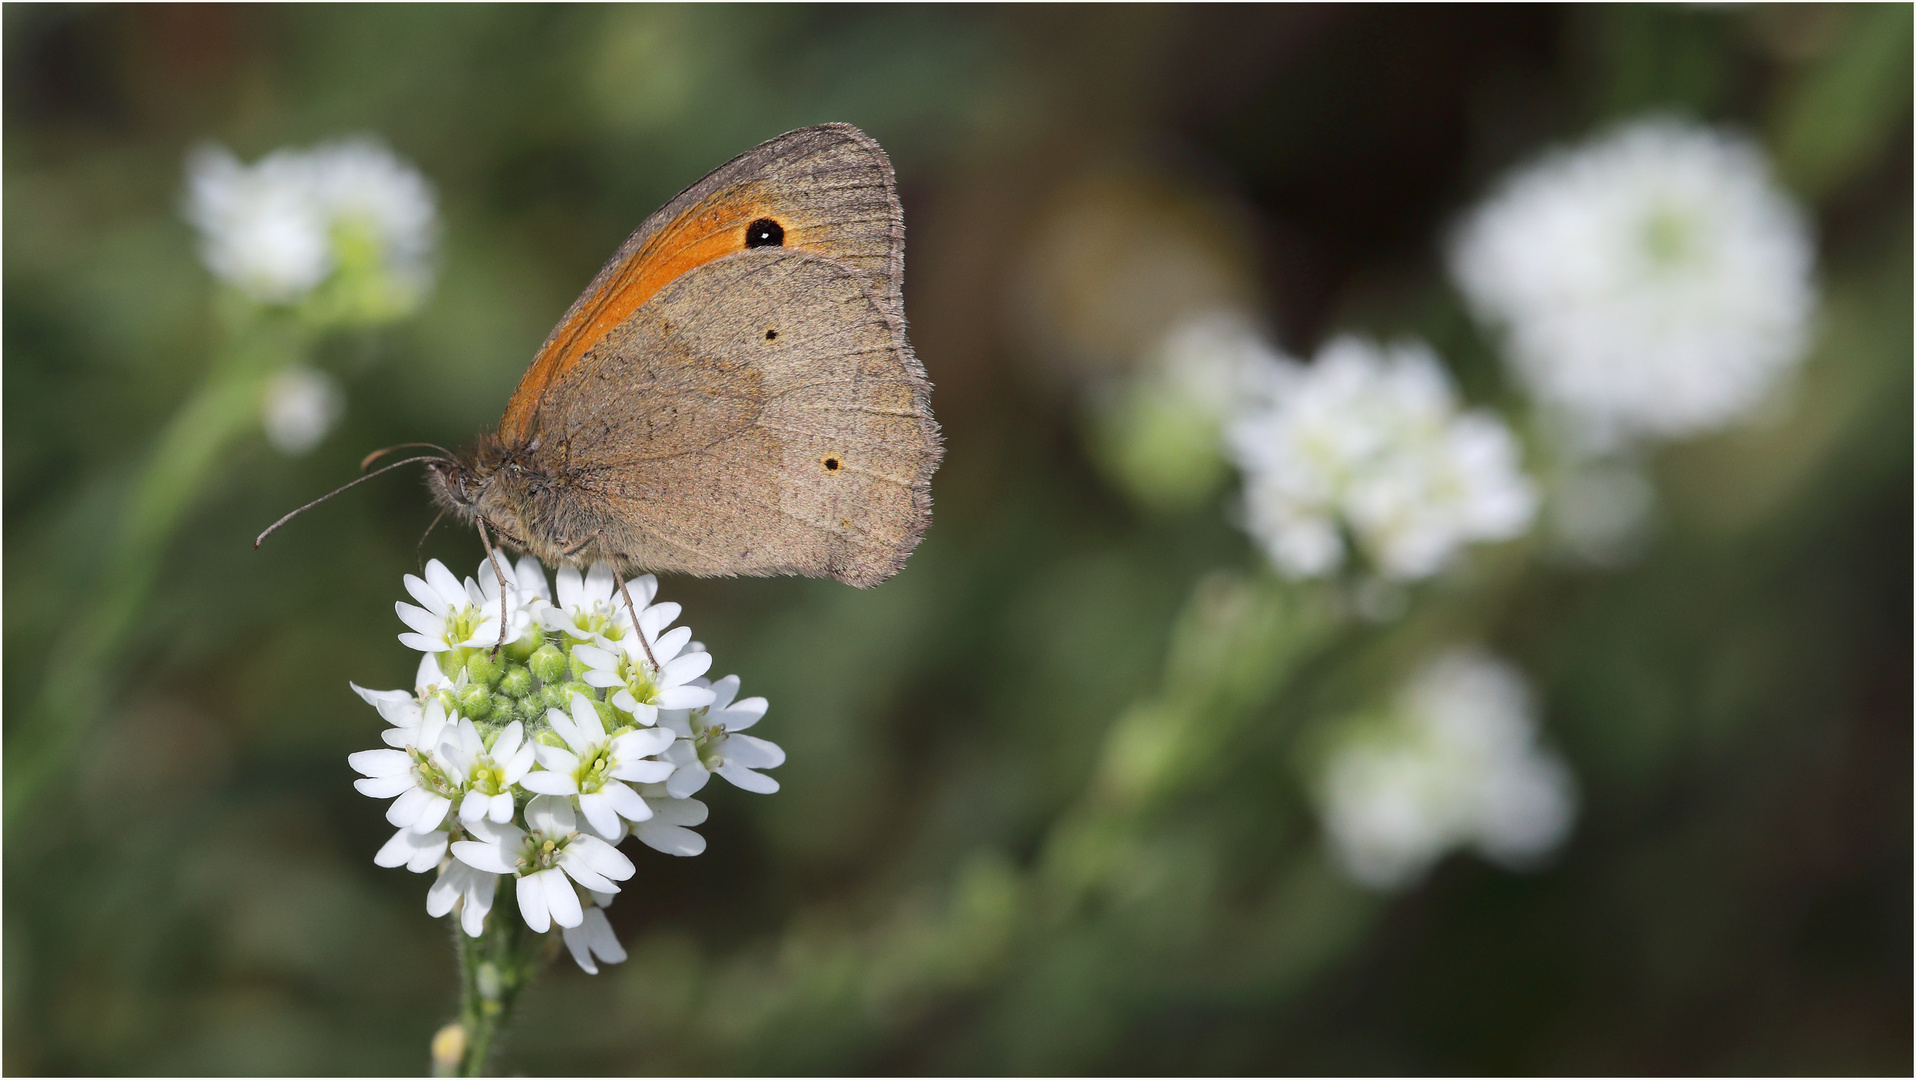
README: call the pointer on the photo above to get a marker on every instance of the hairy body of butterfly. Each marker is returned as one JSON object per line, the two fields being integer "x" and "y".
{"x": 733, "y": 394}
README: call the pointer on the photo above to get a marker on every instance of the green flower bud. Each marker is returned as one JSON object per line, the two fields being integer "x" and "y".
{"x": 482, "y": 669}
{"x": 575, "y": 665}
{"x": 548, "y": 663}
{"x": 559, "y": 695}
{"x": 515, "y": 680}
{"x": 504, "y": 709}
{"x": 528, "y": 643}
{"x": 452, "y": 662}
{"x": 474, "y": 701}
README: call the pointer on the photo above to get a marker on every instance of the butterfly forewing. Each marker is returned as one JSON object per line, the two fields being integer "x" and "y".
{"x": 762, "y": 414}
{"x": 827, "y": 189}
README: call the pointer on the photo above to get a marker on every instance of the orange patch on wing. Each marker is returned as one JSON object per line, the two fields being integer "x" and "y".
{"x": 713, "y": 230}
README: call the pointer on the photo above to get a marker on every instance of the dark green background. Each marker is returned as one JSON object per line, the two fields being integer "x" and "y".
{"x": 194, "y": 892}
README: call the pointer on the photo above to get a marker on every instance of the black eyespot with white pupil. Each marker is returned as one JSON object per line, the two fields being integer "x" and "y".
{"x": 764, "y": 233}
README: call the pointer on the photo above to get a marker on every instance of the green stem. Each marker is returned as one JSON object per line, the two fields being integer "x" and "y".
{"x": 494, "y": 969}
{"x": 185, "y": 457}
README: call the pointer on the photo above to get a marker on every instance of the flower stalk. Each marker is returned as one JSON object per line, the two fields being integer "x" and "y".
{"x": 494, "y": 968}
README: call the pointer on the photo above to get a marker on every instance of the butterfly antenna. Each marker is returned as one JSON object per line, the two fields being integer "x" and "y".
{"x": 337, "y": 490}
{"x": 419, "y": 549}
{"x": 367, "y": 462}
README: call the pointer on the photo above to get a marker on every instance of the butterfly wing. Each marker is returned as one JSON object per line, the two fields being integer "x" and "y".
{"x": 829, "y": 189}
{"x": 762, "y": 414}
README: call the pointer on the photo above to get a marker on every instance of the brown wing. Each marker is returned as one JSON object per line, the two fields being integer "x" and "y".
{"x": 763, "y": 414}
{"x": 830, "y": 190}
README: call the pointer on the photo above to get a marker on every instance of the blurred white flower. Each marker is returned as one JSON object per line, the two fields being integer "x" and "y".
{"x": 1218, "y": 361}
{"x": 1370, "y": 439}
{"x": 1455, "y": 763}
{"x": 302, "y": 405}
{"x": 1157, "y": 432}
{"x": 276, "y": 230}
{"x": 709, "y": 742}
{"x": 1600, "y": 511}
{"x": 1654, "y": 282}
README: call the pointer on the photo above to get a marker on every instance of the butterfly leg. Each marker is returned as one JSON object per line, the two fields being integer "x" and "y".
{"x": 492, "y": 556}
{"x": 636, "y": 628}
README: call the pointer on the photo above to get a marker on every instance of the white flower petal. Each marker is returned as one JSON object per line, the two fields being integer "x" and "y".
{"x": 499, "y": 808}
{"x": 747, "y": 780}
{"x": 408, "y": 806}
{"x": 508, "y": 741}
{"x": 441, "y": 896}
{"x": 432, "y": 813}
{"x": 642, "y": 743}
{"x": 687, "y": 781}
{"x": 427, "y": 596}
{"x": 532, "y": 902}
{"x": 683, "y": 697}
{"x": 585, "y": 875}
{"x": 744, "y": 714}
{"x": 599, "y": 812}
{"x": 479, "y": 890}
{"x": 551, "y": 815}
{"x": 474, "y": 806}
{"x": 686, "y": 668}
{"x": 671, "y": 839}
{"x": 561, "y": 901}
{"x": 482, "y": 856}
{"x": 420, "y": 620}
{"x": 680, "y": 811}
{"x": 575, "y": 943}
{"x": 601, "y": 857}
{"x": 642, "y": 772}
{"x": 671, "y": 643}
{"x": 383, "y": 787}
{"x": 381, "y": 762}
{"x": 586, "y": 718}
{"x": 445, "y": 584}
{"x": 753, "y": 752}
{"x": 627, "y": 802}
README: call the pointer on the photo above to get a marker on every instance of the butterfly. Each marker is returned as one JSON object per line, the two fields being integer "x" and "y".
{"x": 734, "y": 392}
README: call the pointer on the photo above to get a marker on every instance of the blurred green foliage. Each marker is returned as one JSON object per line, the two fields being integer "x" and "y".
{"x": 1041, "y": 812}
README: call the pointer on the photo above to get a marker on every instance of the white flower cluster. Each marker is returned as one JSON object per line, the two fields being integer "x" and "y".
{"x": 1370, "y": 440}
{"x": 1456, "y": 762}
{"x": 1654, "y": 282}
{"x": 279, "y": 229}
{"x": 302, "y": 405}
{"x": 533, "y": 761}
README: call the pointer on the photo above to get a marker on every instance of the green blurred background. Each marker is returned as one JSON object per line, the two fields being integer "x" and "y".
{"x": 950, "y": 880}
